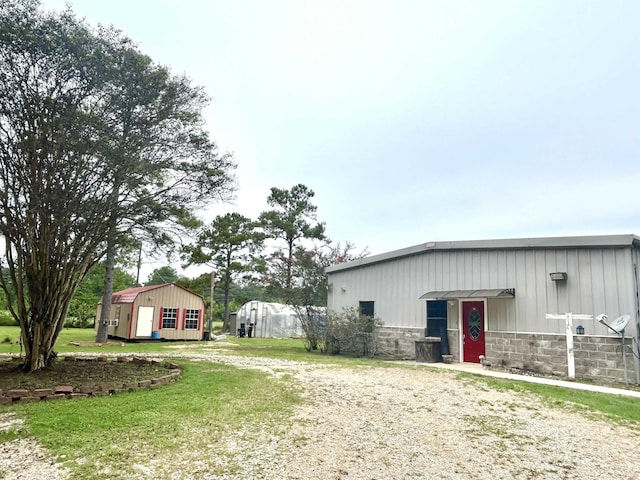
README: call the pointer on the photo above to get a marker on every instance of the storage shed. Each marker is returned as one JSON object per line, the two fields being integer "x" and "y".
{"x": 494, "y": 301}
{"x": 167, "y": 311}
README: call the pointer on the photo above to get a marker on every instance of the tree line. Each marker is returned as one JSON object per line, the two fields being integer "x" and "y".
{"x": 104, "y": 152}
{"x": 278, "y": 257}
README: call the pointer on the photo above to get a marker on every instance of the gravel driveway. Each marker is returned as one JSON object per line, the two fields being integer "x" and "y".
{"x": 399, "y": 423}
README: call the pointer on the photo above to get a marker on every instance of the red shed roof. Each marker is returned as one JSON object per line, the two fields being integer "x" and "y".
{"x": 129, "y": 295}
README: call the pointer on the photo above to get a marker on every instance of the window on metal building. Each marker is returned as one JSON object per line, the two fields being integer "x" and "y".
{"x": 366, "y": 308}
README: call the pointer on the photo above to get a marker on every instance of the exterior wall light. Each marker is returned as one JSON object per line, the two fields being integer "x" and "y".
{"x": 558, "y": 276}
{"x": 580, "y": 330}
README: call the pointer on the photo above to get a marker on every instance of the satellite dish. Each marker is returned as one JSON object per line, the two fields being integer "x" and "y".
{"x": 620, "y": 323}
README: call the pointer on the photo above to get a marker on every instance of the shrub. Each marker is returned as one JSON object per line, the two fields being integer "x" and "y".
{"x": 6, "y": 319}
{"x": 350, "y": 332}
{"x": 75, "y": 322}
{"x": 313, "y": 321}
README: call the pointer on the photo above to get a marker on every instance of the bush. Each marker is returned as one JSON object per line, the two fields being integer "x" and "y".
{"x": 312, "y": 320}
{"x": 6, "y": 319}
{"x": 350, "y": 332}
{"x": 75, "y": 322}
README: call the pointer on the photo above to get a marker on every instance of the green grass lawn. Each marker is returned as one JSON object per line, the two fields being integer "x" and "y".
{"x": 286, "y": 348}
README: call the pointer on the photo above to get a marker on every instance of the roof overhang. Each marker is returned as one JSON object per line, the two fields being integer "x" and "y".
{"x": 486, "y": 293}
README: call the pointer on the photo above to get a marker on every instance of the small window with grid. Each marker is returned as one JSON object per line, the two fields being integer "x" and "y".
{"x": 191, "y": 319}
{"x": 169, "y": 317}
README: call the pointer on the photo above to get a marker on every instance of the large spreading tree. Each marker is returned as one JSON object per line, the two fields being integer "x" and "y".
{"x": 163, "y": 164}
{"x": 97, "y": 145}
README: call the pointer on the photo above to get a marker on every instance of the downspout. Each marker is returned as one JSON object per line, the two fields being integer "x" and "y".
{"x": 637, "y": 339}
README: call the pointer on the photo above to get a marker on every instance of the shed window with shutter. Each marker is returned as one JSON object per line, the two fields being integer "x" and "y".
{"x": 191, "y": 317}
{"x": 169, "y": 316}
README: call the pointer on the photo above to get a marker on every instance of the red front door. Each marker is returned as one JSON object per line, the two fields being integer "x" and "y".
{"x": 472, "y": 331}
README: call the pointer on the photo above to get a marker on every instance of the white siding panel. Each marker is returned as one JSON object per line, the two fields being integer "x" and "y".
{"x": 624, "y": 281}
{"x": 460, "y": 263}
{"x": 475, "y": 278}
{"x": 586, "y": 281}
{"x": 485, "y": 269}
{"x": 610, "y": 285}
{"x": 551, "y": 259}
{"x": 501, "y": 269}
{"x": 597, "y": 279}
{"x": 635, "y": 309}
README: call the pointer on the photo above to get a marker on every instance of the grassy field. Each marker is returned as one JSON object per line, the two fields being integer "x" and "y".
{"x": 210, "y": 401}
{"x": 287, "y": 349}
{"x": 617, "y": 408}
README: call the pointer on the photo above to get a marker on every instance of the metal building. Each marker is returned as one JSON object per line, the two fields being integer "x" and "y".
{"x": 493, "y": 300}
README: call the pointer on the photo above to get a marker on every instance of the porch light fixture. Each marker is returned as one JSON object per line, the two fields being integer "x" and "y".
{"x": 558, "y": 276}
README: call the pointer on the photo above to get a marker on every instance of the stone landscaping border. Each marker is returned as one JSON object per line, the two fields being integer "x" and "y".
{"x": 59, "y": 392}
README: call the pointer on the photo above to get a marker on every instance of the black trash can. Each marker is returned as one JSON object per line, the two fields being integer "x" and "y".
{"x": 206, "y": 336}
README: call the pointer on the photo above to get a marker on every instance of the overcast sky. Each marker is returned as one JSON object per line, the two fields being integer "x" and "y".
{"x": 415, "y": 121}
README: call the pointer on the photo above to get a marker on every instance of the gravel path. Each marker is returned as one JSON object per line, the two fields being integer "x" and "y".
{"x": 396, "y": 423}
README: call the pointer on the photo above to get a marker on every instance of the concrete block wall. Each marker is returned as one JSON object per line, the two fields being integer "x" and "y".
{"x": 597, "y": 358}
{"x": 600, "y": 358}
{"x": 398, "y": 342}
{"x": 537, "y": 352}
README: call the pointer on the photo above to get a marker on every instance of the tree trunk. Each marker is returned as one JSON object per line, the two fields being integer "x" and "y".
{"x": 38, "y": 353}
{"x": 225, "y": 325}
{"x": 289, "y": 262}
{"x": 103, "y": 324}
{"x": 39, "y": 337}
{"x": 226, "y": 288}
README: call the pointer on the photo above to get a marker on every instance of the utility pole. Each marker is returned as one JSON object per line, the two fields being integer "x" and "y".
{"x": 213, "y": 281}
{"x": 139, "y": 265}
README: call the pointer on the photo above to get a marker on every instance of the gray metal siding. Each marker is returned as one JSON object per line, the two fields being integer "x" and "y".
{"x": 599, "y": 280}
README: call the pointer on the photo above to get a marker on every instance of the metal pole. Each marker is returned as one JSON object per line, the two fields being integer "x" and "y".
{"x": 213, "y": 280}
{"x": 637, "y": 338}
{"x": 571, "y": 362}
{"x": 624, "y": 358}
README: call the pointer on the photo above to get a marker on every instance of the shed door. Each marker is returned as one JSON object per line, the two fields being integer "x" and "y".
{"x": 145, "y": 322}
{"x": 473, "y": 331}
